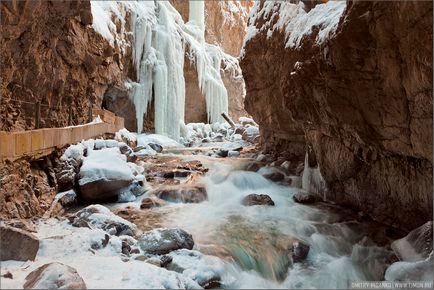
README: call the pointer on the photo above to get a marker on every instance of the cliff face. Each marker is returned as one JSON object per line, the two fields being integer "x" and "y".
{"x": 359, "y": 88}
{"x": 51, "y": 54}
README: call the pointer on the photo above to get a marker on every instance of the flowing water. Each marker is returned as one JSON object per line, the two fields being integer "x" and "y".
{"x": 256, "y": 241}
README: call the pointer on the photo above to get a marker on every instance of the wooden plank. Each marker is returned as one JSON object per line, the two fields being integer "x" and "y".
{"x": 7, "y": 145}
{"x": 37, "y": 137}
{"x": 23, "y": 143}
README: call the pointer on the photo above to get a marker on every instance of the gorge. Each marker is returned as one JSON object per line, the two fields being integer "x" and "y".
{"x": 244, "y": 144}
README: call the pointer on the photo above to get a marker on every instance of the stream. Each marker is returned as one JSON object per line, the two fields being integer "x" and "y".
{"x": 255, "y": 241}
{"x": 243, "y": 246}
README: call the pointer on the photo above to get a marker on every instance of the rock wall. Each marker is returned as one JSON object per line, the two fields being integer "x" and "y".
{"x": 361, "y": 99}
{"x": 27, "y": 188}
{"x": 51, "y": 54}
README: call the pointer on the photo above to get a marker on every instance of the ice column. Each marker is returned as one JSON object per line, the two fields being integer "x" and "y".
{"x": 312, "y": 179}
{"x": 143, "y": 59}
{"x": 169, "y": 84}
{"x": 208, "y": 60}
{"x": 196, "y": 15}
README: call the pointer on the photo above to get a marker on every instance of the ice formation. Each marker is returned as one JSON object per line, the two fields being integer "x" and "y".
{"x": 312, "y": 179}
{"x": 161, "y": 40}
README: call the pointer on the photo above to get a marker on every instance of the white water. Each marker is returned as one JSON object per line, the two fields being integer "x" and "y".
{"x": 339, "y": 251}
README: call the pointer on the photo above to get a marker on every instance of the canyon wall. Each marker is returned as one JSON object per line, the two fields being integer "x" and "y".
{"x": 354, "y": 83}
{"x": 51, "y": 54}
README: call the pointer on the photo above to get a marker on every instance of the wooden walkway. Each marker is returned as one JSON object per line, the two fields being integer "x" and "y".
{"x": 42, "y": 142}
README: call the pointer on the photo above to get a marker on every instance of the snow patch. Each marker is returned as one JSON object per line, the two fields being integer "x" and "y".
{"x": 107, "y": 163}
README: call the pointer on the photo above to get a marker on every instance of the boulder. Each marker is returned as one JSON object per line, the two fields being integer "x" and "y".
{"x": 156, "y": 147}
{"x": 304, "y": 197}
{"x": 186, "y": 193}
{"x": 203, "y": 269}
{"x": 104, "y": 175}
{"x": 153, "y": 261}
{"x": 162, "y": 241}
{"x": 223, "y": 153}
{"x": 233, "y": 153}
{"x": 165, "y": 260}
{"x": 176, "y": 173}
{"x": 54, "y": 276}
{"x": 254, "y": 166}
{"x": 299, "y": 251}
{"x": 150, "y": 202}
{"x": 251, "y": 134}
{"x": 139, "y": 148}
{"x": 257, "y": 199}
{"x": 98, "y": 216}
{"x": 125, "y": 149}
{"x": 68, "y": 198}
{"x": 17, "y": 244}
{"x": 66, "y": 179}
{"x": 274, "y": 176}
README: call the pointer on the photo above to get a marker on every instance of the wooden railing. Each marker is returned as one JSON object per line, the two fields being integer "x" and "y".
{"x": 41, "y": 142}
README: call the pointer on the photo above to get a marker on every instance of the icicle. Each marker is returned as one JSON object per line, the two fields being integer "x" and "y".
{"x": 144, "y": 59}
{"x": 312, "y": 179}
{"x": 208, "y": 61}
{"x": 158, "y": 57}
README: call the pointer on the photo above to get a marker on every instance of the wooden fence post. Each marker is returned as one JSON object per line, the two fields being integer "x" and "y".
{"x": 229, "y": 120}
{"x": 38, "y": 115}
{"x": 90, "y": 117}
{"x": 70, "y": 116}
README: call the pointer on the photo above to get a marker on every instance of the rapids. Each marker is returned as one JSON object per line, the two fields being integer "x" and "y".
{"x": 255, "y": 241}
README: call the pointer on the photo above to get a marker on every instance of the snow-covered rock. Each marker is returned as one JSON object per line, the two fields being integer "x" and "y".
{"x": 98, "y": 216}
{"x": 104, "y": 174}
{"x": 205, "y": 270}
{"x": 247, "y": 121}
{"x": 164, "y": 141}
{"x": 162, "y": 241}
{"x": 187, "y": 193}
{"x": 54, "y": 276}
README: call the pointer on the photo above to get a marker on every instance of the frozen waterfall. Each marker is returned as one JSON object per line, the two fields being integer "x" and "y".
{"x": 161, "y": 39}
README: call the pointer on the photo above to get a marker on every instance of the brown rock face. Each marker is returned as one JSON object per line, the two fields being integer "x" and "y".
{"x": 51, "y": 54}
{"x": 27, "y": 189}
{"x": 362, "y": 100}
